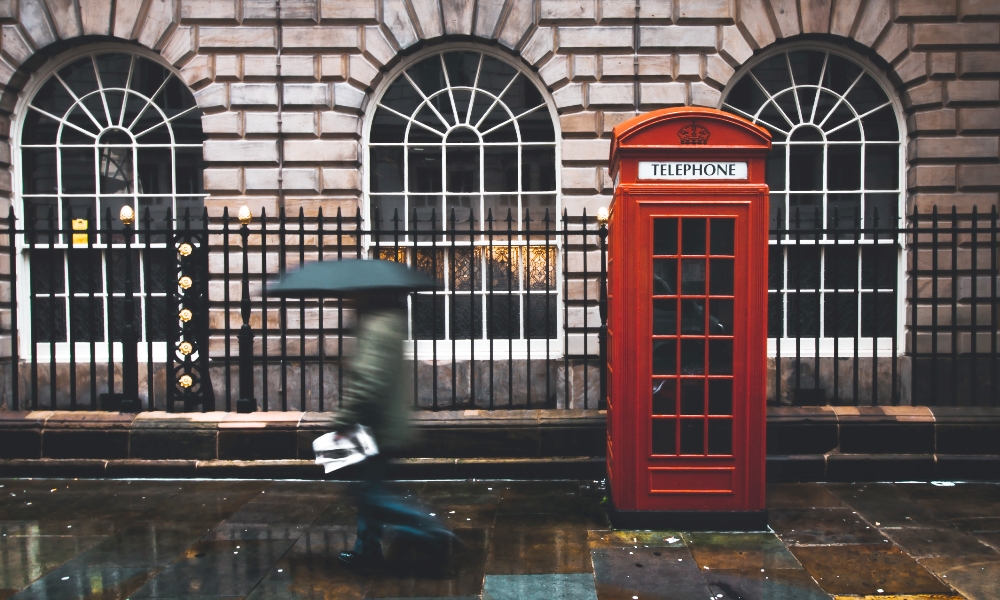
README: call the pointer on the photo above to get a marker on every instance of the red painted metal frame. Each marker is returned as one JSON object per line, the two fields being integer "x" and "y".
{"x": 685, "y": 482}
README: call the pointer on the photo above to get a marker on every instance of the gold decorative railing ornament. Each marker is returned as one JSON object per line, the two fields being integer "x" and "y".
{"x": 185, "y": 348}
{"x": 602, "y": 215}
{"x": 185, "y": 282}
{"x": 185, "y": 249}
{"x": 185, "y": 315}
{"x": 245, "y": 215}
{"x": 186, "y": 381}
{"x": 127, "y": 215}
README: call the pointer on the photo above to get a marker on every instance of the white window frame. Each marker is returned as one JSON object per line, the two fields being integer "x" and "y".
{"x": 844, "y": 346}
{"x": 103, "y": 350}
{"x": 474, "y": 349}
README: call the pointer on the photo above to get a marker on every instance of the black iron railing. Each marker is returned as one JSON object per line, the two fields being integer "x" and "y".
{"x": 863, "y": 310}
{"x": 517, "y": 324}
{"x": 953, "y": 312}
{"x": 868, "y": 310}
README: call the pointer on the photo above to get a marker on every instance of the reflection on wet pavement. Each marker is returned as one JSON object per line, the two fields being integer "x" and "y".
{"x": 517, "y": 540}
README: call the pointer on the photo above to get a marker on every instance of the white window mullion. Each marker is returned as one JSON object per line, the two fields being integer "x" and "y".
{"x": 794, "y": 88}
{"x": 821, "y": 292}
{"x": 100, "y": 87}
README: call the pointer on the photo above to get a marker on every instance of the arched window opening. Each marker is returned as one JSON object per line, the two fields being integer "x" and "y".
{"x": 462, "y": 144}
{"x": 109, "y": 129}
{"x": 835, "y": 177}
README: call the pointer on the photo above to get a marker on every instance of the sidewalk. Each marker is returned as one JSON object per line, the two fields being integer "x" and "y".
{"x": 225, "y": 539}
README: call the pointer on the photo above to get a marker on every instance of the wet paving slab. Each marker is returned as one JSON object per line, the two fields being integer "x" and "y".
{"x": 516, "y": 540}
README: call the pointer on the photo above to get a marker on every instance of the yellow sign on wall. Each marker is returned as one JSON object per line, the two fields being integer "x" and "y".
{"x": 80, "y": 238}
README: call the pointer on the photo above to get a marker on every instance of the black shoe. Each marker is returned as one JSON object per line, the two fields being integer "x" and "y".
{"x": 355, "y": 559}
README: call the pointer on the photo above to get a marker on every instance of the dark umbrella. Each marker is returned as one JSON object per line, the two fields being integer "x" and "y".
{"x": 351, "y": 277}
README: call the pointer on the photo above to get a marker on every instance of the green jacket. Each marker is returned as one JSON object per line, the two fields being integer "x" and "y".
{"x": 376, "y": 393}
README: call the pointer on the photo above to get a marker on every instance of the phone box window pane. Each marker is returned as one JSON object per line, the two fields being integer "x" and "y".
{"x": 665, "y": 236}
{"x": 664, "y": 276}
{"x": 692, "y": 357}
{"x": 720, "y": 396}
{"x": 720, "y": 360}
{"x": 693, "y": 236}
{"x": 722, "y": 277}
{"x": 722, "y": 237}
{"x": 720, "y": 317}
{"x": 720, "y": 436}
{"x": 664, "y": 436}
{"x": 664, "y": 357}
{"x": 692, "y": 436}
{"x": 693, "y": 276}
{"x": 692, "y": 396}
{"x": 693, "y": 317}
{"x": 664, "y": 396}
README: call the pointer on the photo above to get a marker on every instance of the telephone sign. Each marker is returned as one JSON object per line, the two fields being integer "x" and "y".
{"x": 692, "y": 170}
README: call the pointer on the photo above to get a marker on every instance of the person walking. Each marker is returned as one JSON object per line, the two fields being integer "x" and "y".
{"x": 376, "y": 396}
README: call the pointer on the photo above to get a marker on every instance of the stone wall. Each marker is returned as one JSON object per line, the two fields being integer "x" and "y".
{"x": 601, "y": 61}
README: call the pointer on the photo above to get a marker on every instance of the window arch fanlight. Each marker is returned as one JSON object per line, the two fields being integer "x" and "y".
{"x": 462, "y": 140}
{"x": 836, "y": 163}
{"x": 104, "y": 129}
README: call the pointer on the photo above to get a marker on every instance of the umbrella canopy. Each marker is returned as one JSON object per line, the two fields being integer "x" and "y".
{"x": 351, "y": 277}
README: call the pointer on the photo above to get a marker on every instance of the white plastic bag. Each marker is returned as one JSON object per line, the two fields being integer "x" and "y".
{"x": 335, "y": 451}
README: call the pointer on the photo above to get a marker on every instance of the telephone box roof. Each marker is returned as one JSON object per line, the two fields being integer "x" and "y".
{"x": 688, "y": 127}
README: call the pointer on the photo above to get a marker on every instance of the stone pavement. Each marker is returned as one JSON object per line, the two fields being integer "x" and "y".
{"x": 522, "y": 540}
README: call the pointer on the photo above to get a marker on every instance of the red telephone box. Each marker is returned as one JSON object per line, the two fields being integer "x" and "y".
{"x": 687, "y": 321}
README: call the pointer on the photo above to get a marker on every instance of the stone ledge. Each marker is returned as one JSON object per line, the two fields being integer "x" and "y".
{"x": 260, "y": 419}
{"x": 266, "y": 436}
{"x": 832, "y": 433}
{"x": 400, "y": 468}
{"x": 480, "y": 417}
{"x": 882, "y": 467}
{"x": 872, "y": 414}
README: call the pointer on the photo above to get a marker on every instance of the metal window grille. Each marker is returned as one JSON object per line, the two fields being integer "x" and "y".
{"x": 461, "y": 154}
{"x": 835, "y": 178}
{"x": 107, "y": 130}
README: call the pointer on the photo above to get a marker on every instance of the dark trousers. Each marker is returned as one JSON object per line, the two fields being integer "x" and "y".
{"x": 378, "y": 508}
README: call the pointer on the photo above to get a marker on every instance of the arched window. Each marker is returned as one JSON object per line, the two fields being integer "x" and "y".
{"x": 835, "y": 179}
{"x": 462, "y": 143}
{"x": 107, "y": 129}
